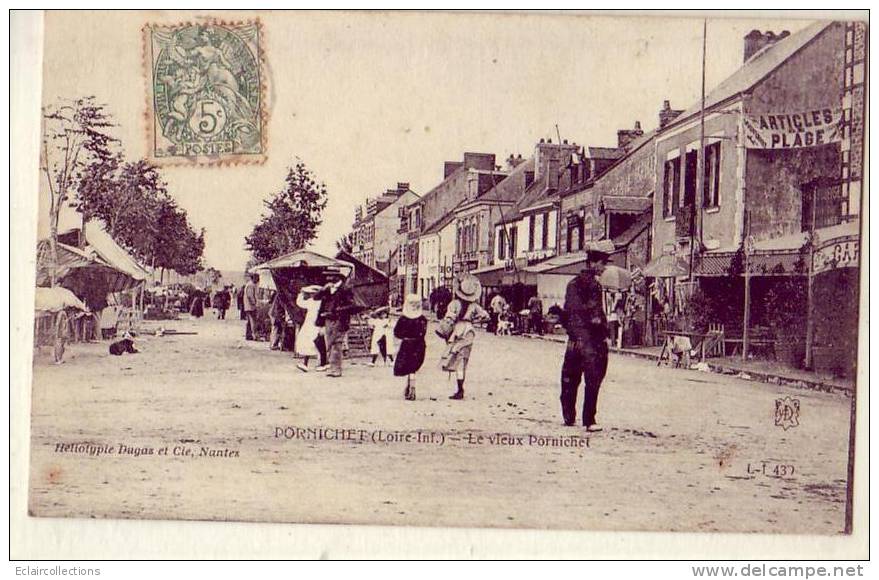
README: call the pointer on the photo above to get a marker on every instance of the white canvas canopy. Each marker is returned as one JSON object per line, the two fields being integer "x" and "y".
{"x": 303, "y": 259}
{"x": 99, "y": 241}
{"x": 56, "y": 299}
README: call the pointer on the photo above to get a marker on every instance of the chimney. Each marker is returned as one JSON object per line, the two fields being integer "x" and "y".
{"x": 667, "y": 114}
{"x": 514, "y": 161}
{"x": 626, "y": 136}
{"x": 548, "y": 160}
{"x": 402, "y": 187}
{"x": 755, "y": 41}
{"x": 449, "y": 167}
{"x": 552, "y": 174}
{"x": 481, "y": 161}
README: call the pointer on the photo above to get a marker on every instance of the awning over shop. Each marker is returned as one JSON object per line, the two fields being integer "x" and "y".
{"x": 627, "y": 204}
{"x": 633, "y": 231}
{"x": 760, "y": 263}
{"x": 490, "y": 276}
{"x": 836, "y": 246}
{"x": 519, "y": 277}
{"x": 572, "y": 263}
{"x": 556, "y": 263}
{"x": 666, "y": 266}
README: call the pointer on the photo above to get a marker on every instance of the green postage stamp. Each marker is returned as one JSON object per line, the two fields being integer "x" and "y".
{"x": 206, "y": 93}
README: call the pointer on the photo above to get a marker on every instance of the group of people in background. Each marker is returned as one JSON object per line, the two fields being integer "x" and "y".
{"x": 503, "y": 320}
{"x": 201, "y": 300}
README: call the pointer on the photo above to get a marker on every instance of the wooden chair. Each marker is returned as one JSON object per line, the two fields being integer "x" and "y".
{"x": 714, "y": 345}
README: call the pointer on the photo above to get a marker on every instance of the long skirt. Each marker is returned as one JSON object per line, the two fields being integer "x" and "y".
{"x": 457, "y": 357}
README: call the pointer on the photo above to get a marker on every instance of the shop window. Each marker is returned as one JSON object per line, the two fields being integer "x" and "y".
{"x": 711, "y": 184}
{"x": 670, "y": 186}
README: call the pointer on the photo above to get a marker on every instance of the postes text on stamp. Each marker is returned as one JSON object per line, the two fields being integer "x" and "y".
{"x": 206, "y": 99}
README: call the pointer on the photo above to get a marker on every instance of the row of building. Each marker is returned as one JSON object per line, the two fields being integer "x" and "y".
{"x": 780, "y": 144}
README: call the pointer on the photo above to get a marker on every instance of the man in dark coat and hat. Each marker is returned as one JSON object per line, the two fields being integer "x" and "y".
{"x": 586, "y": 353}
{"x": 337, "y": 306}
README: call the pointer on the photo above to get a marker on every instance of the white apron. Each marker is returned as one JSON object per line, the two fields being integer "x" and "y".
{"x": 308, "y": 332}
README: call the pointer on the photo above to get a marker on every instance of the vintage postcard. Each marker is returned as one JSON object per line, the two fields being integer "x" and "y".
{"x": 485, "y": 270}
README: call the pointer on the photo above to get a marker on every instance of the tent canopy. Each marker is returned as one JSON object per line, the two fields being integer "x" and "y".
{"x": 99, "y": 241}
{"x": 302, "y": 259}
{"x": 370, "y": 286}
{"x": 56, "y": 299}
{"x": 290, "y": 272}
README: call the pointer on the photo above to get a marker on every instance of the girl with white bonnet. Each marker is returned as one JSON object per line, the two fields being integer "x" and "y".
{"x": 381, "y": 343}
{"x": 458, "y": 330}
{"x": 410, "y": 329}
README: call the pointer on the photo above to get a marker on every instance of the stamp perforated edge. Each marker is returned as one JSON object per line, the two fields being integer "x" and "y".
{"x": 149, "y": 119}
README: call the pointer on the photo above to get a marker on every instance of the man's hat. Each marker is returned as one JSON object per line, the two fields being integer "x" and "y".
{"x": 468, "y": 288}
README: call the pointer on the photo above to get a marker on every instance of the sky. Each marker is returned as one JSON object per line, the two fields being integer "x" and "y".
{"x": 367, "y": 100}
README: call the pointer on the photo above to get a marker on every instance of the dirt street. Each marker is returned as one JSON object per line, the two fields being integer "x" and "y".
{"x": 209, "y": 426}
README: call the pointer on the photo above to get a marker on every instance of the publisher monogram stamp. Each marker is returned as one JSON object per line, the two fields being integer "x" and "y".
{"x": 206, "y": 98}
{"x": 787, "y": 412}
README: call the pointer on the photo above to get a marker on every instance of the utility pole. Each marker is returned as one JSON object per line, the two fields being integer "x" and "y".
{"x": 696, "y": 229}
{"x": 810, "y": 323}
{"x": 746, "y": 322}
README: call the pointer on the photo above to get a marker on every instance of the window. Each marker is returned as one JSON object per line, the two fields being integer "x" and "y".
{"x": 670, "y": 186}
{"x": 531, "y": 225}
{"x": 502, "y": 245}
{"x": 545, "y": 236}
{"x": 514, "y": 233}
{"x": 711, "y": 184}
{"x": 575, "y": 236}
{"x": 692, "y": 163}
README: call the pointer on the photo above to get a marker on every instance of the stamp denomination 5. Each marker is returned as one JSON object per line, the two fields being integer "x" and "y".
{"x": 206, "y": 100}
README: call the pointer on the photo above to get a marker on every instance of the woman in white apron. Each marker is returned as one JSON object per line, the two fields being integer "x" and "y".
{"x": 306, "y": 339}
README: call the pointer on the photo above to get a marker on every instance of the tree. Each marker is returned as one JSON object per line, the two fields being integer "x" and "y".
{"x": 175, "y": 245}
{"x": 132, "y": 201}
{"x": 292, "y": 219}
{"x": 213, "y": 275}
{"x": 75, "y": 131}
{"x": 127, "y": 197}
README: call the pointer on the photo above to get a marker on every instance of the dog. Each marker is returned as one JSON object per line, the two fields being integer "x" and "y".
{"x": 126, "y": 345}
{"x": 504, "y": 326}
